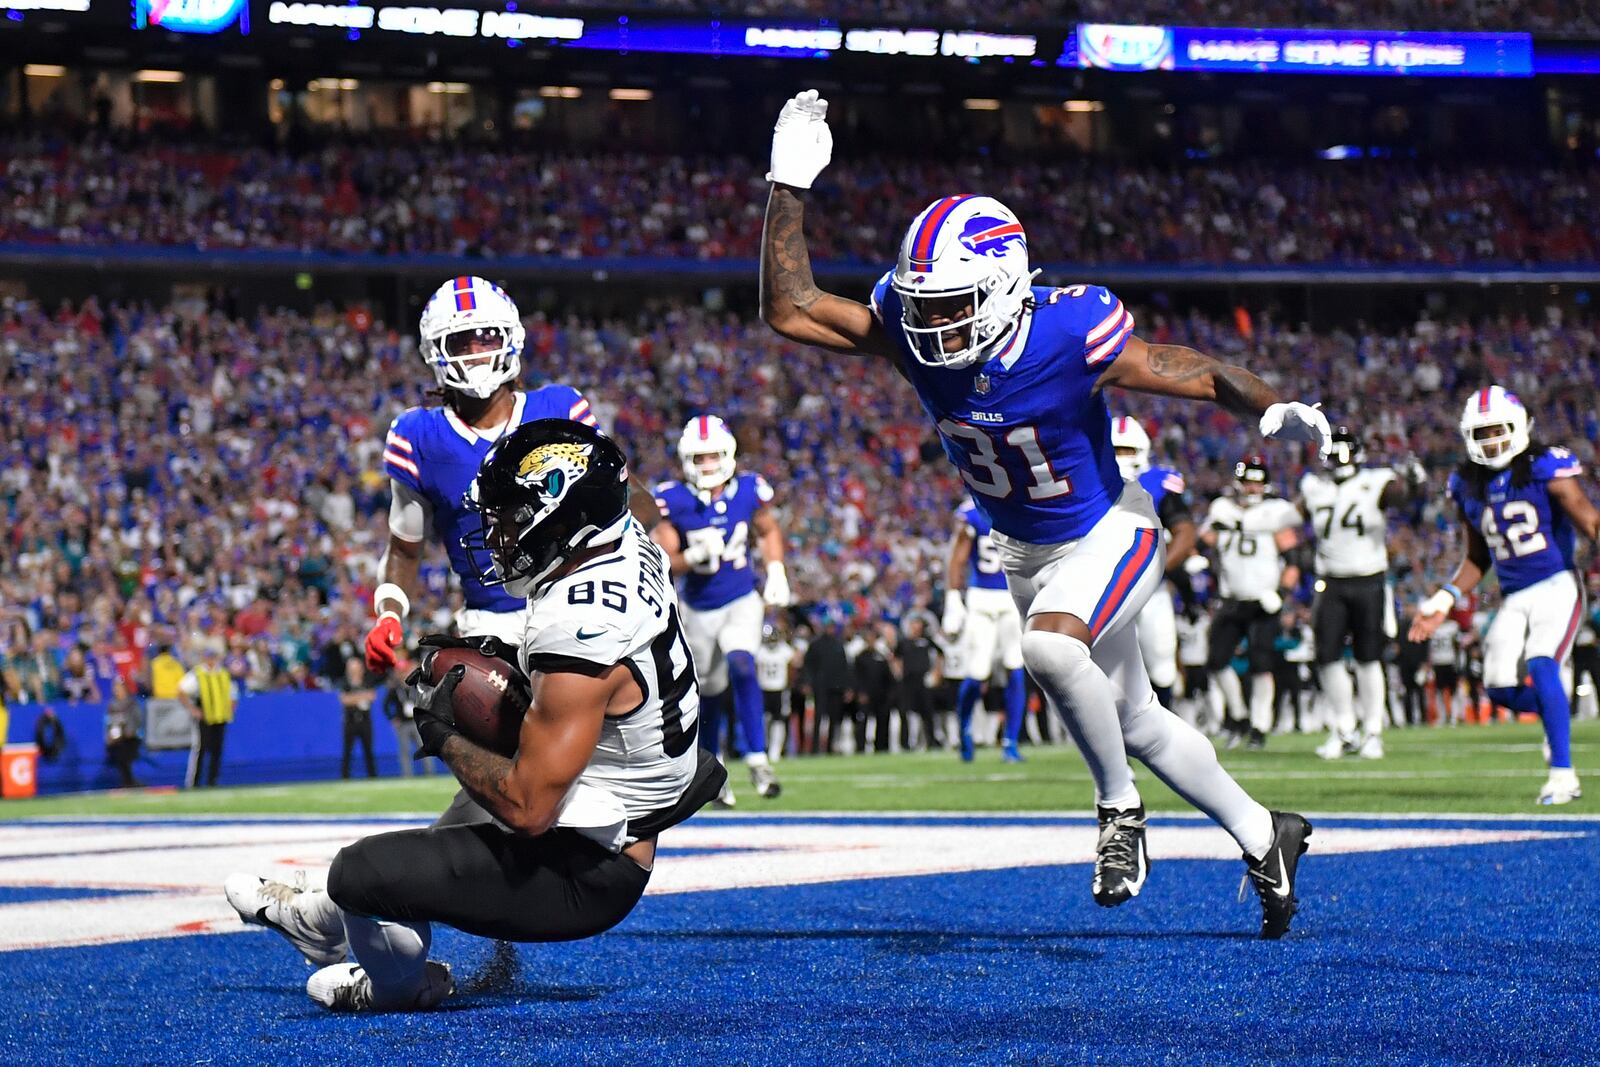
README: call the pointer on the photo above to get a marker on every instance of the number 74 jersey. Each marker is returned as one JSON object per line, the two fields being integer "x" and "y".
{"x": 1348, "y": 522}
{"x": 1530, "y": 536}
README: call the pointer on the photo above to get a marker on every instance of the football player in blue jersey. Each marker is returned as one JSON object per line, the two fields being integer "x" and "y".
{"x": 981, "y": 614}
{"x": 1158, "y": 622}
{"x": 1521, "y": 507}
{"x": 1013, "y": 377}
{"x": 708, "y": 522}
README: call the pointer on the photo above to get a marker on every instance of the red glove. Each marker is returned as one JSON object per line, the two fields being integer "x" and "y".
{"x": 382, "y": 641}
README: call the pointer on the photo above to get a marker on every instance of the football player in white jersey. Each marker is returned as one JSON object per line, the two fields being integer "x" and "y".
{"x": 1346, "y": 512}
{"x": 1251, "y": 532}
{"x": 606, "y": 757}
{"x": 1158, "y": 623}
{"x": 710, "y": 521}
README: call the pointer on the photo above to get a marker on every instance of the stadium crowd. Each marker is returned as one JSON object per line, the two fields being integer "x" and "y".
{"x": 180, "y": 476}
{"x": 455, "y": 199}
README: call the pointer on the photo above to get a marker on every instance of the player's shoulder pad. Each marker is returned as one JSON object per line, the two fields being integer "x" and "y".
{"x": 1287, "y": 514}
{"x": 1556, "y": 462}
{"x": 1095, "y": 313}
{"x": 760, "y": 487}
{"x": 576, "y": 629}
{"x": 405, "y": 444}
{"x": 665, "y": 493}
{"x": 1172, "y": 481}
{"x": 1454, "y": 486}
{"x": 882, "y": 290}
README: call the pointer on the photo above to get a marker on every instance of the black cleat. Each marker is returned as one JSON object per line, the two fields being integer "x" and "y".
{"x": 1121, "y": 864}
{"x": 1273, "y": 875}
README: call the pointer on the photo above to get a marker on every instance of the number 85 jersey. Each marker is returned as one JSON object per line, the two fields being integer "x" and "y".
{"x": 1530, "y": 536}
{"x": 1026, "y": 429}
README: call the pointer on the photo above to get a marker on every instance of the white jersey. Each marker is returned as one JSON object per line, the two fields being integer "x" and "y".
{"x": 621, "y": 608}
{"x": 772, "y": 666}
{"x": 1247, "y": 548}
{"x": 1348, "y": 522}
{"x": 1194, "y": 640}
{"x": 1442, "y": 645}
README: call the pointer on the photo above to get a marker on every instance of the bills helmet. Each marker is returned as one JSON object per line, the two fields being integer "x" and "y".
{"x": 706, "y": 450}
{"x": 472, "y": 336}
{"x": 962, "y": 274}
{"x": 1132, "y": 446}
{"x": 548, "y": 490}
{"x": 1494, "y": 425}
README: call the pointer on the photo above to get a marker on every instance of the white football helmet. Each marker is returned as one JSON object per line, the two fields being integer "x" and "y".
{"x": 472, "y": 336}
{"x": 1494, "y": 426}
{"x": 707, "y": 435}
{"x": 1126, "y": 433}
{"x": 963, "y": 256}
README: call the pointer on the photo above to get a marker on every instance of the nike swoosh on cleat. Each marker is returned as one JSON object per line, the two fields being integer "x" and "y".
{"x": 1282, "y": 886}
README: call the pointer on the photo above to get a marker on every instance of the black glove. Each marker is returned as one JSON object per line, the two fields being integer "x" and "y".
{"x": 485, "y": 643}
{"x": 434, "y": 717}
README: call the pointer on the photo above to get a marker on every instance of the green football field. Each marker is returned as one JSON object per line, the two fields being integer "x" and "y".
{"x": 1468, "y": 770}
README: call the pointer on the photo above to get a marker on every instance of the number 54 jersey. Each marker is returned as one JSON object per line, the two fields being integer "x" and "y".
{"x": 1530, "y": 536}
{"x": 1026, "y": 429}
{"x": 620, "y": 608}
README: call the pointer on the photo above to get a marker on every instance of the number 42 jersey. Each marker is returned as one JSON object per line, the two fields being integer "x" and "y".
{"x": 1530, "y": 536}
{"x": 1026, "y": 429}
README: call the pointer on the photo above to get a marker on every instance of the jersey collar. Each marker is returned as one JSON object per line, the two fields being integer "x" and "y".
{"x": 472, "y": 436}
{"x": 1011, "y": 351}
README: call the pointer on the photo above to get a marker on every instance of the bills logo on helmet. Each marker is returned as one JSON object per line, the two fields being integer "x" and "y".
{"x": 986, "y": 235}
{"x": 550, "y": 470}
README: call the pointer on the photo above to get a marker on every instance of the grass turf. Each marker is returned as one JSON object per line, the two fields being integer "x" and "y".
{"x": 1467, "y": 770}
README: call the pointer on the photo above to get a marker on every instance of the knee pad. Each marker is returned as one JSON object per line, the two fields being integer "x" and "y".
{"x": 1045, "y": 652}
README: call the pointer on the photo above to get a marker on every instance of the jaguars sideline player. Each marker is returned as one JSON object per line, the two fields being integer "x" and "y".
{"x": 708, "y": 521}
{"x": 606, "y": 758}
{"x": 1012, "y": 377}
{"x": 1521, "y": 508}
{"x": 1346, "y": 510}
{"x": 1253, "y": 532}
{"x": 1158, "y": 622}
{"x": 980, "y": 614}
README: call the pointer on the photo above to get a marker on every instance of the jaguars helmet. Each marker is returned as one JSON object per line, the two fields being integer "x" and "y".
{"x": 547, "y": 491}
{"x": 1252, "y": 478}
{"x": 963, "y": 266}
{"x": 472, "y": 336}
{"x": 1345, "y": 453}
{"x": 1495, "y": 427}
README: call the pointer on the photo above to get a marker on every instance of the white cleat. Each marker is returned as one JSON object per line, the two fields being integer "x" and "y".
{"x": 1561, "y": 787}
{"x": 345, "y": 987}
{"x": 1371, "y": 747}
{"x": 281, "y": 907}
{"x": 765, "y": 781}
{"x": 1332, "y": 748}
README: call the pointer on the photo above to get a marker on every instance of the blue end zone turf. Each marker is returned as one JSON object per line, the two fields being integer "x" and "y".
{"x": 1469, "y": 954}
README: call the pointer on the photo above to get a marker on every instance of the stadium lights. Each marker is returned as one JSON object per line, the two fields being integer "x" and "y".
{"x": 44, "y": 70}
{"x": 631, "y": 94}
{"x": 1083, "y": 106}
{"x": 452, "y": 88}
{"x": 333, "y": 85}
{"x": 165, "y": 77}
{"x": 560, "y": 92}
{"x": 980, "y": 103}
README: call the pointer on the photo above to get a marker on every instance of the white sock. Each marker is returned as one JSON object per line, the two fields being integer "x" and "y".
{"x": 1340, "y": 695}
{"x": 1374, "y": 696}
{"x": 1086, "y": 701}
{"x": 394, "y": 955}
{"x": 317, "y": 910}
{"x": 1262, "y": 690}
{"x": 1226, "y": 681}
{"x": 755, "y": 759}
{"x": 1217, "y": 706}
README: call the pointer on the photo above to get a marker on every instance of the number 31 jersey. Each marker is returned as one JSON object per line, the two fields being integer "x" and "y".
{"x": 1530, "y": 536}
{"x": 1348, "y": 522}
{"x": 1026, "y": 429}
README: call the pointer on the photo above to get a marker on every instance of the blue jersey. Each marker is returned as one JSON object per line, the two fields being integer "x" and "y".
{"x": 1167, "y": 493}
{"x": 722, "y": 579}
{"x": 1027, "y": 431}
{"x": 1529, "y": 536}
{"x": 435, "y": 454}
{"x": 983, "y": 566}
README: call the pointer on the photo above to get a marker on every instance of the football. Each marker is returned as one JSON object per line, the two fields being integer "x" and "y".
{"x": 490, "y": 699}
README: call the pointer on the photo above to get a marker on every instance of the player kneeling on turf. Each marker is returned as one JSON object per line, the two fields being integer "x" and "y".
{"x": 605, "y": 759}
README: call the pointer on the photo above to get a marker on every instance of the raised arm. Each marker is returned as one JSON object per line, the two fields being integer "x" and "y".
{"x": 1173, "y": 370}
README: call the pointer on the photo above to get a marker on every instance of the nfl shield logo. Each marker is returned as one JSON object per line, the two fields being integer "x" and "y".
{"x": 980, "y": 385}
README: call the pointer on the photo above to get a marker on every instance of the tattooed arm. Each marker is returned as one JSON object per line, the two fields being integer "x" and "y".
{"x": 1172, "y": 370}
{"x": 558, "y": 736}
{"x": 792, "y": 304}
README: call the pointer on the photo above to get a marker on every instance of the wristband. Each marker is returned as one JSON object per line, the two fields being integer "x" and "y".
{"x": 390, "y": 591}
{"x": 776, "y": 565}
{"x": 1455, "y": 594}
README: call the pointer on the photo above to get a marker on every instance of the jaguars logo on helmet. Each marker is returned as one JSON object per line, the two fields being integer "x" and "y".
{"x": 549, "y": 490}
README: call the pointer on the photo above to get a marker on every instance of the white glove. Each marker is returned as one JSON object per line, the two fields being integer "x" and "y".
{"x": 1437, "y": 604}
{"x": 1412, "y": 470}
{"x": 776, "y": 592}
{"x": 704, "y": 551}
{"x": 802, "y": 144}
{"x": 955, "y": 612}
{"x": 1271, "y": 603}
{"x": 1295, "y": 421}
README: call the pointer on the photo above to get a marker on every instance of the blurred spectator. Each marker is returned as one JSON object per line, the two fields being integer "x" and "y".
{"x": 50, "y": 735}
{"x": 122, "y": 732}
{"x": 356, "y": 697}
{"x": 78, "y": 684}
{"x": 915, "y": 655}
{"x": 827, "y": 677}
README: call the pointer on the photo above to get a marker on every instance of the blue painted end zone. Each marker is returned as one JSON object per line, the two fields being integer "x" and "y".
{"x": 1482, "y": 954}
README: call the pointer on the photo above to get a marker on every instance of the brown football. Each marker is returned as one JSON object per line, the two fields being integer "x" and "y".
{"x": 490, "y": 699}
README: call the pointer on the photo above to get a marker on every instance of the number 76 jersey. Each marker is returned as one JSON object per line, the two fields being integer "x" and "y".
{"x": 1530, "y": 536}
{"x": 1026, "y": 428}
